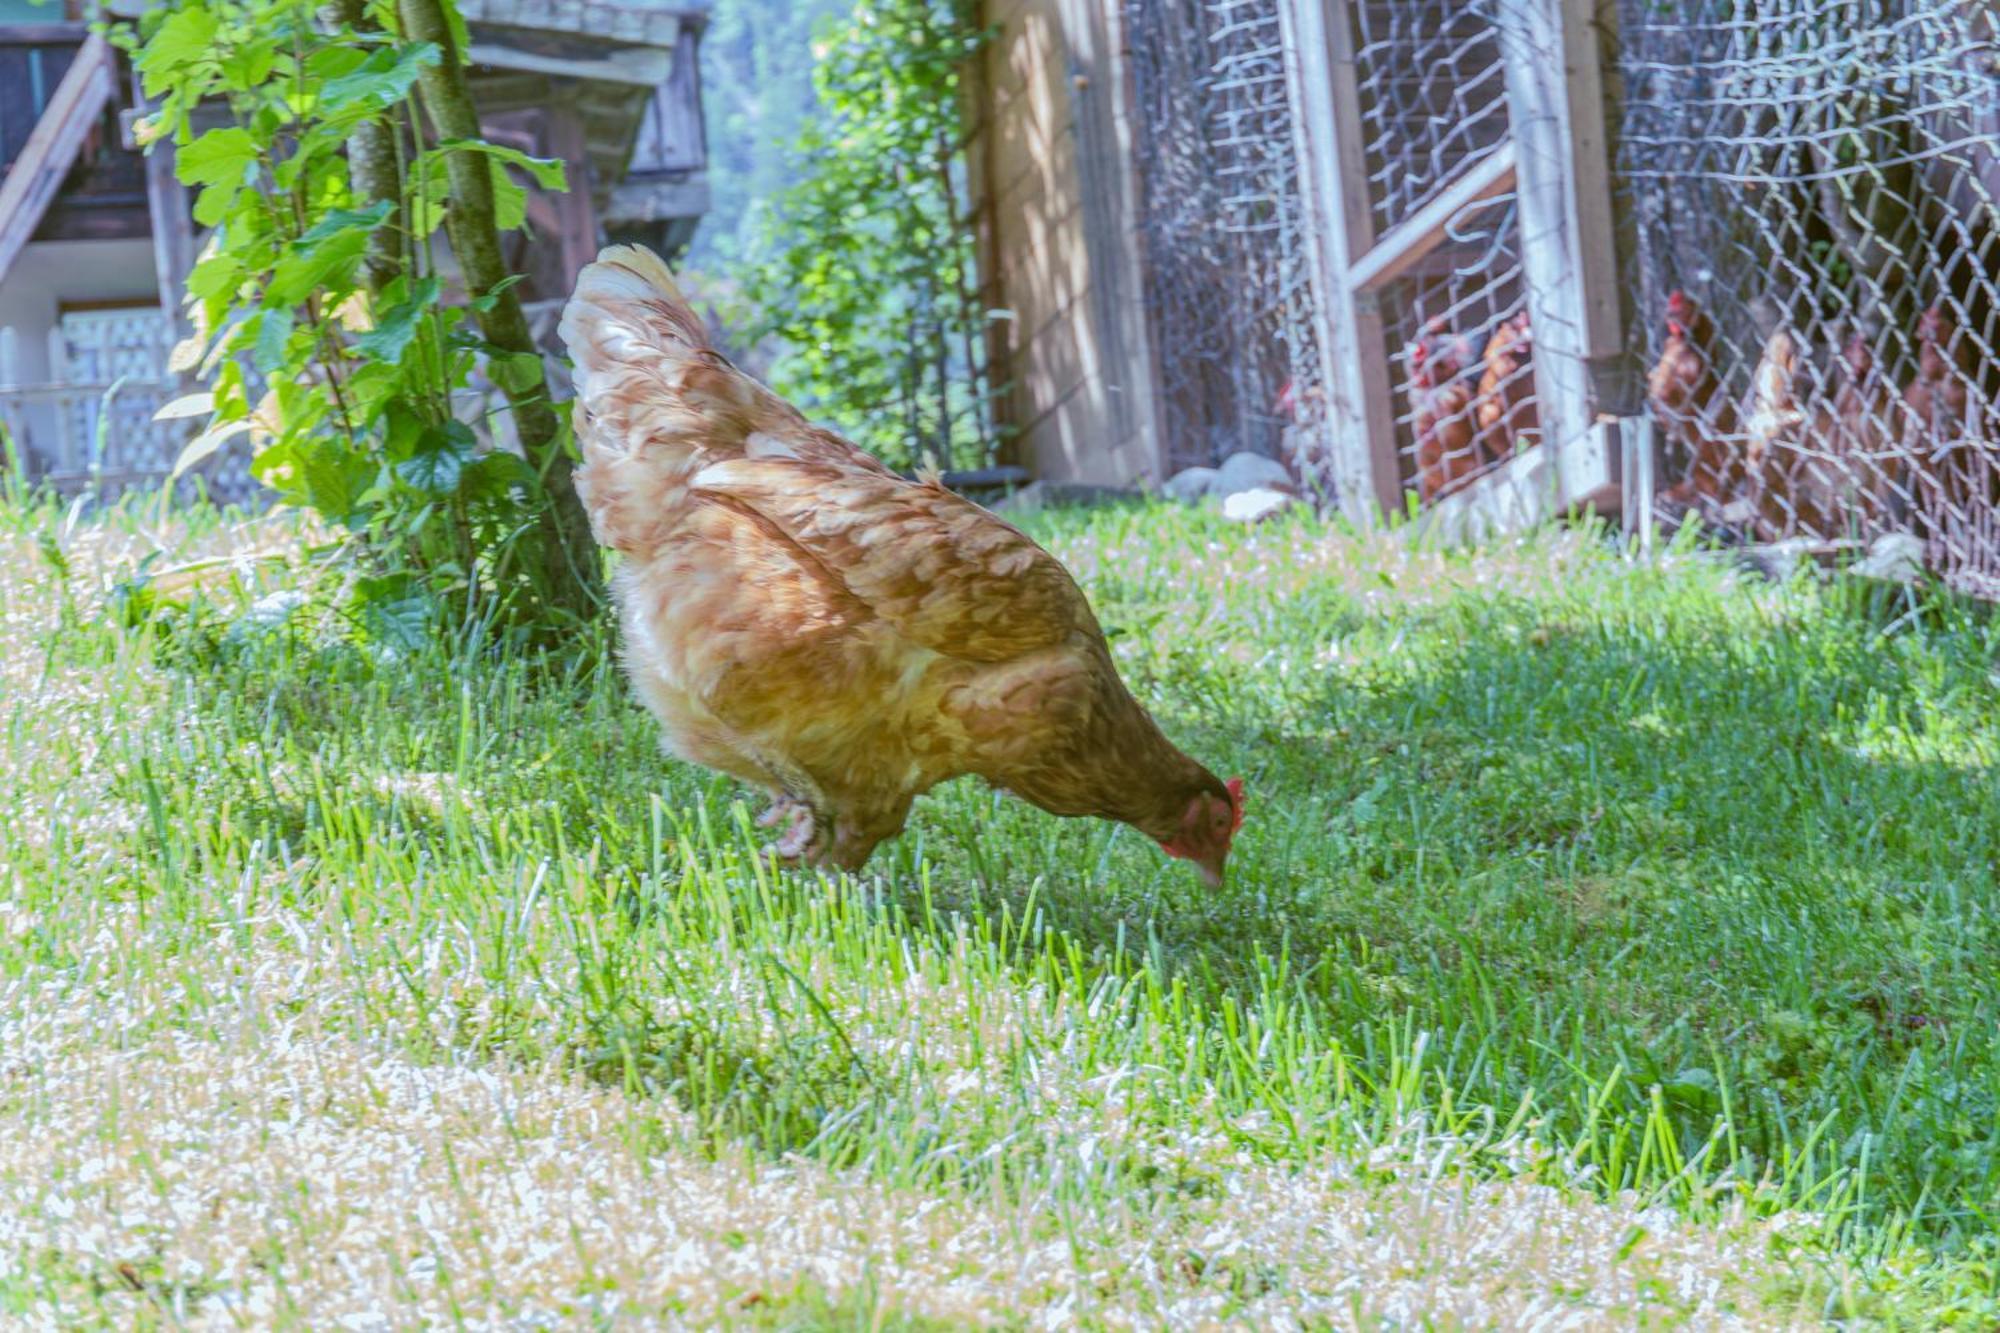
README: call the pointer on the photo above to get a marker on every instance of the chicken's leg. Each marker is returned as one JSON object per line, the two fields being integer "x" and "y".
{"x": 781, "y": 810}
{"x": 802, "y": 840}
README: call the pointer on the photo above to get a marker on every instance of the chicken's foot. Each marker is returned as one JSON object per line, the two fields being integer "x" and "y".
{"x": 781, "y": 810}
{"x": 800, "y": 836}
{"x": 801, "y": 840}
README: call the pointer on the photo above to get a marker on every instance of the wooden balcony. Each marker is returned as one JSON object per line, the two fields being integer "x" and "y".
{"x": 102, "y": 195}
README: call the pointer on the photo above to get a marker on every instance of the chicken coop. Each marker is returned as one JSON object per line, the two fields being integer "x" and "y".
{"x": 1728, "y": 260}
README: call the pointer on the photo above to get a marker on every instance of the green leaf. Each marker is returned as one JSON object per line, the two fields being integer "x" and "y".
{"x": 381, "y": 80}
{"x": 332, "y": 62}
{"x": 346, "y": 219}
{"x": 440, "y": 460}
{"x": 187, "y": 405}
{"x": 269, "y": 614}
{"x": 317, "y": 470}
{"x": 274, "y": 330}
{"x": 219, "y": 273}
{"x": 201, "y": 446}
{"x": 332, "y": 246}
{"x": 186, "y": 37}
{"x": 300, "y": 274}
{"x": 211, "y": 206}
{"x": 220, "y": 157}
{"x": 249, "y": 65}
{"x": 392, "y": 610}
{"x": 510, "y": 199}
{"x": 494, "y": 475}
{"x": 517, "y": 372}
{"x": 485, "y": 303}
{"x": 545, "y": 171}
{"x": 429, "y": 188}
{"x": 398, "y": 325}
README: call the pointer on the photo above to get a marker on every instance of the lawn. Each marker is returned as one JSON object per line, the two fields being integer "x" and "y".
{"x": 1608, "y": 943}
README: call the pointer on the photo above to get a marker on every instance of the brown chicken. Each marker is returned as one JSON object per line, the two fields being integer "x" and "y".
{"x": 1859, "y": 429}
{"x": 1691, "y": 414}
{"x": 800, "y": 617}
{"x": 1936, "y": 424}
{"x": 1774, "y": 430}
{"x": 1936, "y": 396}
{"x": 1506, "y": 399}
{"x": 1441, "y": 416}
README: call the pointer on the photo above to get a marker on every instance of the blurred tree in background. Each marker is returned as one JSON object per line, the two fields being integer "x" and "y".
{"x": 863, "y": 266}
{"x": 757, "y": 94}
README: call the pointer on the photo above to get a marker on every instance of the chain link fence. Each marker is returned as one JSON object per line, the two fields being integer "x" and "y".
{"x": 1809, "y": 240}
{"x": 1433, "y": 102}
{"x": 1228, "y": 285}
{"x": 1817, "y": 268}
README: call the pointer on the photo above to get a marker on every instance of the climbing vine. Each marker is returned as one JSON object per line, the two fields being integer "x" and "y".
{"x": 330, "y": 335}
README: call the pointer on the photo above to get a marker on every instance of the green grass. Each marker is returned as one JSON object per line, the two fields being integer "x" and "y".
{"x": 1648, "y": 882}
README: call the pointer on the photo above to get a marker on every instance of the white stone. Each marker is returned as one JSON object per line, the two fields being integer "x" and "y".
{"x": 1190, "y": 484}
{"x": 1256, "y": 504}
{"x": 1245, "y": 471}
{"x": 1897, "y": 556}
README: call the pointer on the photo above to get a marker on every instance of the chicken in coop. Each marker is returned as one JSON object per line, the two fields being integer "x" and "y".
{"x": 1693, "y": 417}
{"x": 1441, "y": 413}
{"x": 1950, "y": 466}
{"x": 1819, "y": 461}
{"x": 1859, "y": 429}
{"x": 800, "y": 617}
{"x": 1773, "y": 430}
{"x": 1506, "y": 399}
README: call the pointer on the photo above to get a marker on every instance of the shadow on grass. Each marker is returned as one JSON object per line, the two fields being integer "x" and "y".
{"x": 1757, "y": 870}
{"x": 1754, "y": 867}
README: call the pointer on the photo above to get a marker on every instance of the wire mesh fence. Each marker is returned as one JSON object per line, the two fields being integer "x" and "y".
{"x": 1817, "y": 267}
{"x": 1228, "y": 276}
{"x": 1433, "y": 102}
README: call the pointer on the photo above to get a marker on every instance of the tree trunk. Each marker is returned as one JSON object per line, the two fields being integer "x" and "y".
{"x": 372, "y": 164}
{"x": 475, "y": 240}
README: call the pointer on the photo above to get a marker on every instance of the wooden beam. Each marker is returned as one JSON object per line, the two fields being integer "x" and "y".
{"x": 43, "y": 34}
{"x": 1532, "y": 487}
{"x": 1354, "y": 353}
{"x": 172, "y": 224}
{"x": 1589, "y": 196}
{"x": 658, "y": 200}
{"x": 569, "y": 55}
{"x": 1404, "y": 245}
{"x": 1555, "y": 96}
{"x": 117, "y": 220}
{"x": 575, "y": 213}
{"x": 37, "y": 174}
{"x": 1115, "y": 343}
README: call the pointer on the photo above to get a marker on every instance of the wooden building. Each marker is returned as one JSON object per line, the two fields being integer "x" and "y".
{"x": 1051, "y": 159}
{"x": 1221, "y": 225}
{"x": 96, "y": 239}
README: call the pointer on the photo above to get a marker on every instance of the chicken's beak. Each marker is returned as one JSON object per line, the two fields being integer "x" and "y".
{"x": 1211, "y": 874}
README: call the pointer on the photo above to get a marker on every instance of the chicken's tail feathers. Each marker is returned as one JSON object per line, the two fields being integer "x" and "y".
{"x": 642, "y": 362}
{"x": 627, "y": 308}
{"x": 643, "y": 264}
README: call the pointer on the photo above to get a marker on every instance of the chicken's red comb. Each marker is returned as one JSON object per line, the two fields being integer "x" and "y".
{"x": 1235, "y": 786}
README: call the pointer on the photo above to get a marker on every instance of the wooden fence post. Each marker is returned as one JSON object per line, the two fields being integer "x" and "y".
{"x": 1354, "y": 355}
{"x": 1555, "y": 95}
{"x": 173, "y": 226}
